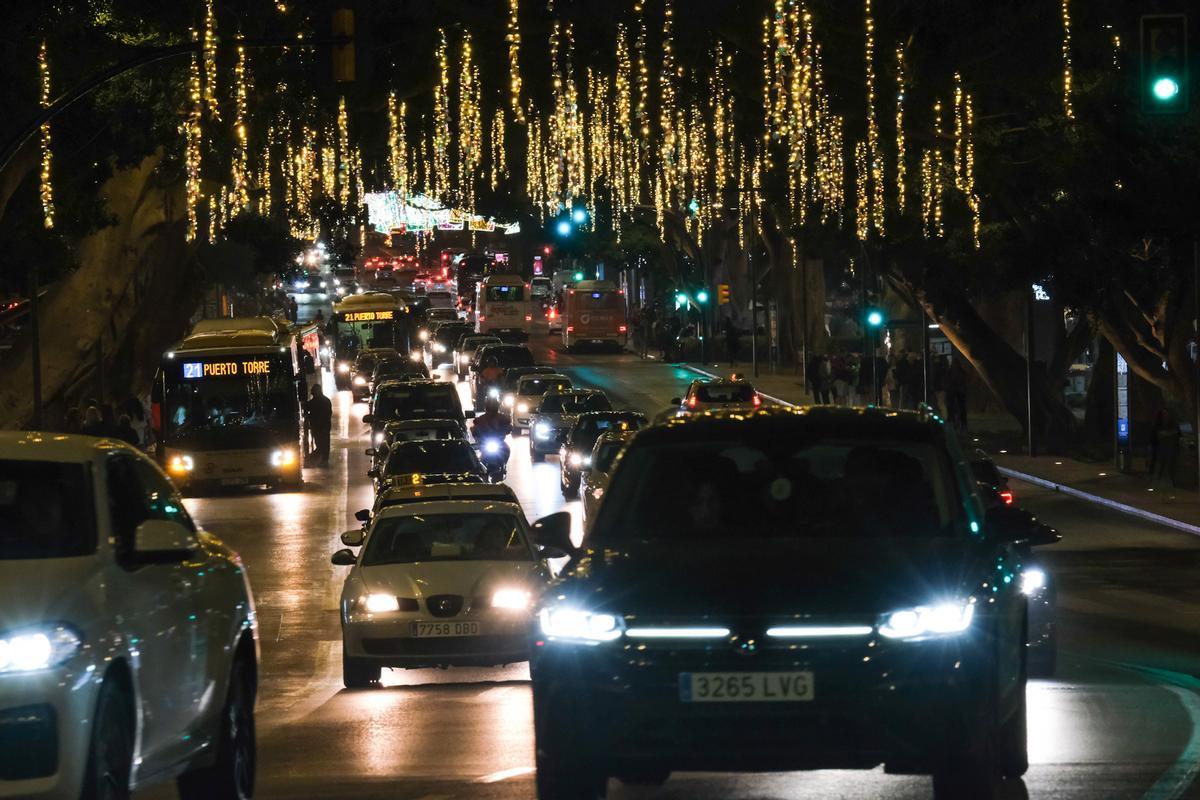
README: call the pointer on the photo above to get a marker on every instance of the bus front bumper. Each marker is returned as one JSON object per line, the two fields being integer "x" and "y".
{"x": 213, "y": 469}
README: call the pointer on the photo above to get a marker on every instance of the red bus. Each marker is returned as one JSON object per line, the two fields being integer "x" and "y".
{"x": 593, "y": 312}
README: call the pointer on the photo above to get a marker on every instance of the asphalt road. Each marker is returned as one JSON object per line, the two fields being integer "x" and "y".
{"x": 1121, "y": 720}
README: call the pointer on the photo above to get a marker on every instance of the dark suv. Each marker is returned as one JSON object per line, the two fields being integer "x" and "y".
{"x": 801, "y": 589}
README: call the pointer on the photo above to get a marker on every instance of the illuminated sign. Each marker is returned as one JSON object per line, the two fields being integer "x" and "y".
{"x": 193, "y": 370}
{"x": 368, "y": 316}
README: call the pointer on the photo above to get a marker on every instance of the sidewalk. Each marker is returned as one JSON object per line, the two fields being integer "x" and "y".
{"x": 1096, "y": 482}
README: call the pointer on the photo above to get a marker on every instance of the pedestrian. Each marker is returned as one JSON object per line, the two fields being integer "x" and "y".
{"x": 93, "y": 423}
{"x": 891, "y": 384}
{"x": 73, "y": 420}
{"x": 125, "y": 431}
{"x": 293, "y": 310}
{"x": 133, "y": 408}
{"x": 956, "y": 394}
{"x": 319, "y": 415}
{"x": 840, "y": 372}
{"x": 914, "y": 387}
{"x": 732, "y": 340}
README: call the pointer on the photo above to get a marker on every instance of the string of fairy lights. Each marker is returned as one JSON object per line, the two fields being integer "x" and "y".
{"x": 615, "y": 139}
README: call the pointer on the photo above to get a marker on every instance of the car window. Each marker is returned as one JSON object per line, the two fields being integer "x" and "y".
{"x": 432, "y": 458}
{"x": 724, "y": 393}
{"x": 416, "y": 401}
{"x": 796, "y": 489}
{"x": 46, "y": 510}
{"x": 606, "y": 453}
{"x": 538, "y": 386}
{"x": 160, "y": 496}
{"x": 446, "y": 537}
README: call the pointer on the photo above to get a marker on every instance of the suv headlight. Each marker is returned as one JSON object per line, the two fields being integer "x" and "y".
{"x": 35, "y": 648}
{"x": 508, "y": 400}
{"x": 511, "y": 599}
{"x": 568, "y": 624}
{"x": 522, "y": 408}
{"x": 924, "y": 622}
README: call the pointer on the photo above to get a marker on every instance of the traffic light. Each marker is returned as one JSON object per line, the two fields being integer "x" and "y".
{"x": 579, "y": 215}
{"x": 723, "y": 294}
{"x": 681, "y": 300}
{"x": 563, "y": 228}
{"x": 875, "y": 317}
{"x": 343, "y": 53}
{"x": 578, "y": 276}
{"x": 702, "y": 296}
{"x": 1164, "y": 78}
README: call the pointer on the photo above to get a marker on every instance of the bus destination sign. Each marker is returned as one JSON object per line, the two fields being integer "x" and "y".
{"x": 195, "y": 370}
{"x": 368, "y": 316}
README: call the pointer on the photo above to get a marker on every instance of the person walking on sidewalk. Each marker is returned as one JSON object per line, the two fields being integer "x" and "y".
{"x": 731, "y": 340}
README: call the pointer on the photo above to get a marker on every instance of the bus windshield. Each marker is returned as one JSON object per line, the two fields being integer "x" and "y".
{"x": 214, "y": 394}
{"x": 359, "y": 330}
{"x": 505, "y": 294}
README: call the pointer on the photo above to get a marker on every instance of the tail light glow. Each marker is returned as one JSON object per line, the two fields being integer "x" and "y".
{"x": 1006, "y": 496}
{"x": 529, "y": 317}
{"x": 570, "y": 329}
{"x": 757, "y": 400}
{"x": 621, "y": 329}
{"x": 691, "y": 401}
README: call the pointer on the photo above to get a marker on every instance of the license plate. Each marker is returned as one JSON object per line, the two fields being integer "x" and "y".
{"x": 433, "y": 630}
{"x": 233, "y": 481}
{"x": 745, "y": 687}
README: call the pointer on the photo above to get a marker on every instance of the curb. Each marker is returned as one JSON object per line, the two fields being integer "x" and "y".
{"x": 1124, "y": 508}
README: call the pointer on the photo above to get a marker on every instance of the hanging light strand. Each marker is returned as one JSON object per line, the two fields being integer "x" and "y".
{"x": 901, "y": 165}
{"x": 239, "y": 195}
{"x": 45, "y": 186}
{"x": 514, "y": 61}
{"x": 192, "y": 141}
{"x": 874, "y": 152}
{"x": 210, "y": 60}
{"x": 1068, "y": 72}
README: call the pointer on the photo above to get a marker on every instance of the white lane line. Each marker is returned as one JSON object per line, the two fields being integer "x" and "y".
{"x": 1150, "y": 516}
{"x": 505, "y": 774}
{"x": 1180, "y": 776}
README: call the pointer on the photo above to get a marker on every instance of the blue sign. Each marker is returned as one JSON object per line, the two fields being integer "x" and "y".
{"x": 1123, "y": 430}
{"x": 193, "y": 369}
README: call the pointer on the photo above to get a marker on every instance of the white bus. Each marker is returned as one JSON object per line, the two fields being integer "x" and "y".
{"x": 503, "y": 307}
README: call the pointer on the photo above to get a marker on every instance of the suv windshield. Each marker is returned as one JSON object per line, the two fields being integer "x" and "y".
{"x": 46, "y": 510}
{"x": 432, "y": 458}
{"x": 574, "y": 404}
{"x": 725, "y": 393}
{"x": 792, "y": 489}
{"x": 414, "y": 401}
{"x": 446, "y": 537}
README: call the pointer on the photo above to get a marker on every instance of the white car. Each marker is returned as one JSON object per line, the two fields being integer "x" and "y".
{"x": 436, "y": 584}
{"x": 598, "y": 475}
{"x": 529, "y": 393}
{"x": 128, "y": 640}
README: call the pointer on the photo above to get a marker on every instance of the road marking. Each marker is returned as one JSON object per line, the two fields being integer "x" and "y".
{"x": 505, "y": 774}
{"x": 717, "y": 377}
{"x": 1103, "y": 501}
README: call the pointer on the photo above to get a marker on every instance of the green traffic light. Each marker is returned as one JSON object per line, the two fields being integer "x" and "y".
{"x": 564, "y": 228}
{"x": 702, "y": 296}
{"x": 874, "y": 318}
{"x": 1165, "y": 88}
{"x": 578, "y": 276}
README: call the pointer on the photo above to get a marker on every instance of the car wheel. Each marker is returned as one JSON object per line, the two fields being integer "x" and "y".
{"x": 110, "y": 752}
{"x": 232, "y": 776}
{"x": 535, "y": 456}
{"x": 359, "y": 674}
{"x": 564, "y": 772}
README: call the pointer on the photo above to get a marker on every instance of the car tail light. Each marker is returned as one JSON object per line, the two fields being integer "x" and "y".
{"x": 482, "y": 317}
{"x": 1006, "y": 496}
{"x": 756, "y": 400}
{"x": 621, "y": 329}
{"x": 692, "y": 401}
{"x": 553, "y": 313}
{"x": 570, "y": 329}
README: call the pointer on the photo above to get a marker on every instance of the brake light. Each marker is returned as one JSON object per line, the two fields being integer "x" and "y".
{"x": 692, "y": 401}
{"x": 1006, "y": 496}
{"x": 621, "y": 329}
{"x": 482, "y": 317}
{"x": 553, "y": 313}
{"x": 570, "y": 329}
{"x": 756, "y": 400}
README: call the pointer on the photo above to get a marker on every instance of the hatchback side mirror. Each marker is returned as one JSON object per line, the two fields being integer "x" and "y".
{"x": 553, "y": 532}
{"x": 343, "y": 558}
{"x": 353, "y": 538}
{"x": 363, "y": 515}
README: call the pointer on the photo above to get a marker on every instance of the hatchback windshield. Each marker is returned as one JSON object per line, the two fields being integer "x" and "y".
{"x": 807, "y": 489}
{"x": 574, "y": 403}
{"x": 725, "y": 393}
{"x": 45, "y": 510}
{"x": 446, "y": 537}
{"x": 432, "y": 458}
{"x": 539, "y": 386}
{"x": 417, "y": 401}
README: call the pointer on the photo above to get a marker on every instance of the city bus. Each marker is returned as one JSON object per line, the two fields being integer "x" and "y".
{"x": 593, "y": 312}
{"x": 226, "y": 405}
{"x": 503, "y": 307}
{"x": 365, "y": 321}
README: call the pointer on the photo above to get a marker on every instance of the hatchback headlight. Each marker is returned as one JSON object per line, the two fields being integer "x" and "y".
{"x": 576, "y": 460}
{"x": 541, "y": 430}
{"x": 181, "y": 464}
{"x": 511, "y": 599}
{"x": 379, "y": 603}
{"x": 922, "y": 622}
{"x": 577, "y": 625}
{"x": 41, "y": 647}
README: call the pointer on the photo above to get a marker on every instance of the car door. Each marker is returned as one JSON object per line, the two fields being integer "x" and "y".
{"x": 157, "y": 612}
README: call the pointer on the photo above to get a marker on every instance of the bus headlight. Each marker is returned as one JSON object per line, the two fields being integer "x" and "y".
{"x": 283, "y": 457}
{"x": 181, "y": 464}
